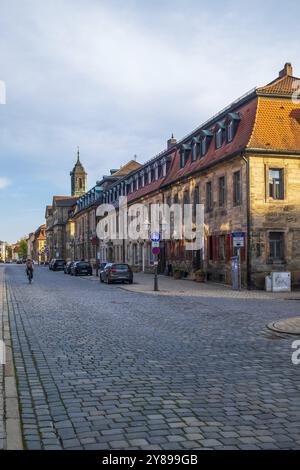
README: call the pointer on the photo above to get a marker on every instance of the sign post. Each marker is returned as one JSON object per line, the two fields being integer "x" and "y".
{"x": 155, "y": 238}
{"x": 238, "y": 243}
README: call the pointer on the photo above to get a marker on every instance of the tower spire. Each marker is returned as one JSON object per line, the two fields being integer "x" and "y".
{"x": 78, "y": 155}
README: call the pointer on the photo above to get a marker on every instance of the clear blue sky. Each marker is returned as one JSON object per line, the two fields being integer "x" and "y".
{"x": 117, "y": 78}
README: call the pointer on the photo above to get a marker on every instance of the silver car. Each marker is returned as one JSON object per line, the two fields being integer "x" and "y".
{"x": 116, "y": 272}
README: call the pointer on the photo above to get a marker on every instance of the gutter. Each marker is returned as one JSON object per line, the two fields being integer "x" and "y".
{"x": 249, "y": 247}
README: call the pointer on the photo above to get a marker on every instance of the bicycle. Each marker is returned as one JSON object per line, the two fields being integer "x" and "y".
{"x": 29, "y": 275}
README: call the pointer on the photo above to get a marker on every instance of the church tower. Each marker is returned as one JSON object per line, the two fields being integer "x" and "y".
{"x": 78, "y": 178}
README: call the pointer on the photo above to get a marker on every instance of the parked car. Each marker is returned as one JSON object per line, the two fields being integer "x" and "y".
{"x": 68, "y": 266}
{"x": 81, "y": 268}
{"x": 101, "y": 267}
{"x": 113, "y": 272}
{"x": 58, "y": 265}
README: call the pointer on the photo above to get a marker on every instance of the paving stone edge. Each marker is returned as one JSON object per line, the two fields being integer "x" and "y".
{"x": 12, "y": 421}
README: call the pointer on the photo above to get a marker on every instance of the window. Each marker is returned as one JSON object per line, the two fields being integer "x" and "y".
{"x": 210, "y": 248}
{"x": 230, "y": 131}
{"x": 184, "y": 154}
{"x": 237, "y": 189}
{"x": 195, "y": 150}
{"x": 222, "y": 191}
{"x": 219, "y": 138}
{"x": 208, "y": 196}
{"x": 276, "y": 183}
{"x": 203, "y": 146}
{"x": 276, "y": 240}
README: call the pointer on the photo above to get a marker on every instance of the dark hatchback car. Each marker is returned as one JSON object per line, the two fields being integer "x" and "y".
{"x": 58, "y": 265}
{"x": 80, "y": 268}
{"x": 116, "y": 272}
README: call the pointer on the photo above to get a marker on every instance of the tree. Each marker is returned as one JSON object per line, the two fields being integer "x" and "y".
{"x": 22, "y": 248}
{"x": 9, "y": 252}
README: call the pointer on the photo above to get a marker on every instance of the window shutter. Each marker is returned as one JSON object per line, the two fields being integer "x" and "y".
{"x": 243, "y": 254}
{"x": 228, "y": 247}
{"x": 208, "y": 248}
{"x": 216, "y": 246}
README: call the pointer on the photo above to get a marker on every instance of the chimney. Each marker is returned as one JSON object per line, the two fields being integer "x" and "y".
{"x": 172, "y": 142}
{"x": 286, "y": 71}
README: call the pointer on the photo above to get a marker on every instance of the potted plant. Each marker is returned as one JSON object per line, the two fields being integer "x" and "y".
{"x": 200, "y": 275}
{"x": 177, "y": 273}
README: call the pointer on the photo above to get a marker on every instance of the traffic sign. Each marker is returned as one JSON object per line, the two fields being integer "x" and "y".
{"x": 155, "y": 250}
{"x": 155, "y": 236}
{"x": 155, "y": 244}
{"x": 238, "y": 239}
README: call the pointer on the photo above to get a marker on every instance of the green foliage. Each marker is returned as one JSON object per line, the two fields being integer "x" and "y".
{"x": 22, "y": 248}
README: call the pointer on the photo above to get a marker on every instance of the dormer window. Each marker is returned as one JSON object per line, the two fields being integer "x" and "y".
{"x": 232, "y": 125}
{"x": 206, "y": 137}
{"x": 156, "y": 171}
{"x": 142, "y": 179}
{"x": 230, "y": 131}
{"x": 184, "y": 154}
{"x": 219, "y": 137}
{"x": 196, "y": 148}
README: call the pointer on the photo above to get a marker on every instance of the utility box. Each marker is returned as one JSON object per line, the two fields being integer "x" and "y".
{"x": 281, "y": 282}
{"x": 268, "y": 283}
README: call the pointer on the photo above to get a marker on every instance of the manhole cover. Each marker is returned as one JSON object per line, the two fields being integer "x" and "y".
{"x": 289, "y": 325}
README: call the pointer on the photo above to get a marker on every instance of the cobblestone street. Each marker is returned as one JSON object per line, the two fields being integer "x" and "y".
{"x": 101, "y": 367}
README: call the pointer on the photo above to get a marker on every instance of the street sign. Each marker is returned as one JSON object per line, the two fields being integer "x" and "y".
{"x": 155, "y": 237}
{"x": 238, "y": 239}
{"x": 155, "y": 250}
{"x": 155, "y": 244}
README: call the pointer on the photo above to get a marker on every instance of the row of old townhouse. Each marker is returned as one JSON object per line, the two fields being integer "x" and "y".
{"x": 36, "y": 245}
{"x": 242, "y": 165}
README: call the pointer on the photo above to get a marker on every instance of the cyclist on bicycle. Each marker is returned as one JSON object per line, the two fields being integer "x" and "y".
{"x": 29, "y": 268}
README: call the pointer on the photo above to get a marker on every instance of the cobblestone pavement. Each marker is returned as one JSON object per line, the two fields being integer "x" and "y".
{"x": 99, "y": 367}
{"x": 2, "y": 435}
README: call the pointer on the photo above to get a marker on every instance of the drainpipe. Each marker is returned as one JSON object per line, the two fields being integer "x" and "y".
{"x": 249, "y": 250}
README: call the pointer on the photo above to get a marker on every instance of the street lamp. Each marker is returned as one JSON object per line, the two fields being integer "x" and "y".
{"x": 147, "y": 227}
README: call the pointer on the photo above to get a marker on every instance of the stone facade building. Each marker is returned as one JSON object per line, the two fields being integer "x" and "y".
{"x": 59, "y": 228}
{"x": 39, "y": 254}
{"x": 243, "y": 165}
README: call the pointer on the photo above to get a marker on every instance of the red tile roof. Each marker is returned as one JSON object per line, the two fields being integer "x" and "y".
{"x": 277, "y": 125}
{"x": 247, "y": 114}
{"x": 283, "y": 86}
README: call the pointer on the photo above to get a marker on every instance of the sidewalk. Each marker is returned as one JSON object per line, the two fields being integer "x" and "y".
{"x": 2, "y": 434}
{"x": 10, "y": 427}
{"x": 143, "y": 283}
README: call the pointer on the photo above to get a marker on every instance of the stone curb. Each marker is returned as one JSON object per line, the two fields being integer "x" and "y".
{"x": 13, "y": 428}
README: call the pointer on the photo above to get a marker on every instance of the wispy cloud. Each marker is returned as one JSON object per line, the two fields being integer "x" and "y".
{"x": 117, "y": 78}
{"x": 4, "y": 182}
